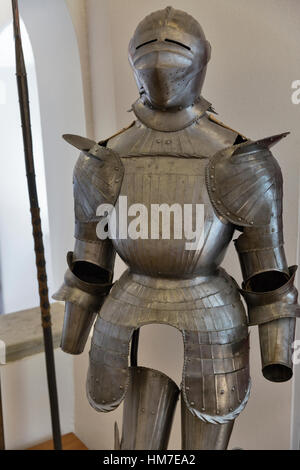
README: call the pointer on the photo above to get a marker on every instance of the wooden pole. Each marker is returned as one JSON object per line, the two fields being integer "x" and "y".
{"x": 2, "y": 441}
{"x": 36, "y": 225}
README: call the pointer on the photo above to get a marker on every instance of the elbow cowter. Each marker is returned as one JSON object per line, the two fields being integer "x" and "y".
{"x": 83, "y": 302}
{"x": 275, "y": 314}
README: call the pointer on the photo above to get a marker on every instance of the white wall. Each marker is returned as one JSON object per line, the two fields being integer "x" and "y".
{"x": 78, "y": 13}
{"x": 55, "y": 49}
{"x": 62, "y": 111}
{"x": 18, "y": 269}
{"x": 254, "y": 61}
{"x": 26, "y": 410}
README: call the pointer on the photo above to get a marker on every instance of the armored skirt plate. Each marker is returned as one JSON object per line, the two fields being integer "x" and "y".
{"x": 209, "y": 313}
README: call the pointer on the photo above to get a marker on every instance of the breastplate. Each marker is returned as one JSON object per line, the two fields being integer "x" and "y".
{"x": 170, "y": 180}
{"x": 169, "y": 168}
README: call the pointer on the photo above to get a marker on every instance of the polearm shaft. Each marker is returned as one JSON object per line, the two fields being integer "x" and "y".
{"x": 36, "y": 224}
{"x": 2, "y": 441}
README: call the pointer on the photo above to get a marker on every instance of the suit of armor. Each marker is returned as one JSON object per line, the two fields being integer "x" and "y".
{"x": 176, "y": 152}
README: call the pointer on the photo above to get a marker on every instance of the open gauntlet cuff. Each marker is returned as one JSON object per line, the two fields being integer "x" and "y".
{"x": 89, "y": 296}
{"x": 264, "y": 307}
{"x": 274, "y": 312}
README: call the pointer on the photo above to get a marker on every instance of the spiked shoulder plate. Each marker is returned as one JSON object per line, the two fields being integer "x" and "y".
{"x": 97, "y": 178}
{"x": 244, "y": 183}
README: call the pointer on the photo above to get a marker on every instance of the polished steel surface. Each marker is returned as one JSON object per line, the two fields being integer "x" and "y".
{"x": 78, "y": 322}
{"x": 245, "y": 185}
{"x": 168, "y": 121}
{"x": 177, "y": 153}
{"x": 84, "y": 294}
{"x": 276, "y": 340}
{"x": 221, "y": 369}
{"x": 208, "y": 312}
{"x": 265, "y": 307}
{"x": 108, "y": 373}
{"x": 97, "y": 179}
{"x": 168, "y": 180}
{"x": 204, "y": 304}
{"x": 82, "y": 303}
{"x": 169, "y": 54}
{"x": 148, "y": 410}
{"x": 202, "y": 138}
{"x": 100, "y": 253}
{"x": 198, "y": 435}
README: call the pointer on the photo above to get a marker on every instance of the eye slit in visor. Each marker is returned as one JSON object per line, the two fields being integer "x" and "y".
{"x": 178, "y": 43}
{"x": 145, "y": 43}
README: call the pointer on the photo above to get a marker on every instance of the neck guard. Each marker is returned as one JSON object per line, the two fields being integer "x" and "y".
{"x": 170, "y": 121}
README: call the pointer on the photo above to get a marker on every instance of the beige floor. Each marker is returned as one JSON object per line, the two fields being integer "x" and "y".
{"x": 69, "y": 442}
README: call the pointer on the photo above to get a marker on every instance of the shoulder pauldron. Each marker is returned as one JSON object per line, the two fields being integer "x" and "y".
{"x": 97, "y": 178}
{"x": 244, "y": 183}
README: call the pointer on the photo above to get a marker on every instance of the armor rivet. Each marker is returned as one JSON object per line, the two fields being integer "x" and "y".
{"x": 192, "y": 403}
{"x": 230, "y": 409}
{"x": 212, "y": 167}
{"x": 203, "y": 409}
{"x": 233, "y": 389}
{"x": 117, "y": 169}
{"x": 213, "y": 190}
{"x": 114, "y": 398}
{"x": 240, "y": 219}
{"x": 227, "y": 213}
{"x": 168, "y": 142}
{"x": 158, "y": 141}
{"x": 153, "y": 412}
{"x": 222, "y": 392}
{"x": 240, "y": 401}
{"x": 97, "y": 381}
{"x": 103, "y": 401}
{"x": 143, "y": 409}
{"x": 212, "y": 177}
{"x": 187, "y": 388}
{"x": 121, "y": 387}
{"x": 218, "y": 202}
{"x": 252, "y": 223}
{"x": 218, "y": 412}
{"x": 117, "y": 181}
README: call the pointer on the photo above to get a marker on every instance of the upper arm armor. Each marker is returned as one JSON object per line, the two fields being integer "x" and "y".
{"x": 245, "y": 186}
{"x": 97, "y": 179}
